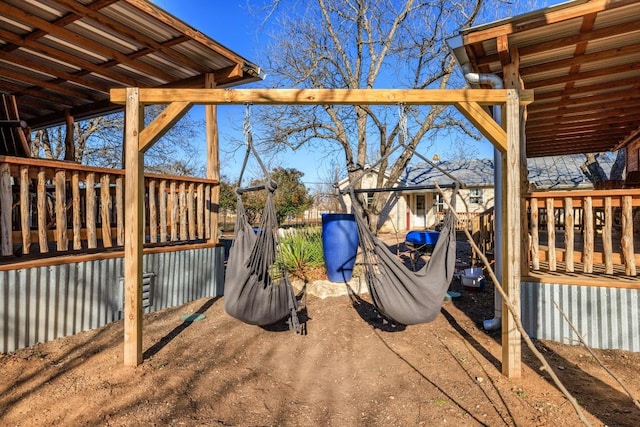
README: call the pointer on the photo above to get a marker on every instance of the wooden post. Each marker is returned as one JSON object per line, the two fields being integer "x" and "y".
{"x": 153, "y": 212}
{"x": 213, "y": 163}
{"x": 607, "y": 241}
{"x": 77, "y": 219}
{"x": 62, "y": 243}
{"x": 105, "y": 210}
{"x": 42, "y": 212}
{"x": 162, "y": 196}
{"x": 134, "y": 202}
{"x": 25, "y": 209}
{"x": 588, "y": 236}
{"x": 535, "y": 235}
{"x": 90, "y": 203}
{"x": 569, "y": 224}
{"x": 627, "y": 237}
{"x": 511, "y": 345}
{"x": 6, "y": 202}
{"x": 119, "y": 211}
{"x": 551, "y": 232}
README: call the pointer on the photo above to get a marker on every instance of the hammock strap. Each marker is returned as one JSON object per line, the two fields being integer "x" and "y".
{"x": 269, "y": 184}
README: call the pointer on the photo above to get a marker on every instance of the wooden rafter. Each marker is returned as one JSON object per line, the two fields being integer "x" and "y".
{"x": 580, "y": 58}
{"x": 60, "y": 55}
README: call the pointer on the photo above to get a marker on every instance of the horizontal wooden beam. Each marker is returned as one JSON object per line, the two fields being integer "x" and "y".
{"x": 322, "y": 96}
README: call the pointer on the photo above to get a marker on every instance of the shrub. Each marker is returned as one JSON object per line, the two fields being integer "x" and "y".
{"x": 301, "y": 252}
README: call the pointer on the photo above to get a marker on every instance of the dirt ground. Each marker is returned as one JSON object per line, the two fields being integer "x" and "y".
{"x": 350, "y": 369}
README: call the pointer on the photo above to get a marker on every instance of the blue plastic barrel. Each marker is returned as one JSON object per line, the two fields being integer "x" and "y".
{"x": 339, "y": 245}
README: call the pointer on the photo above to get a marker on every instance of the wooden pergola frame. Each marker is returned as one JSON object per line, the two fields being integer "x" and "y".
{"x": 470, "y": 103}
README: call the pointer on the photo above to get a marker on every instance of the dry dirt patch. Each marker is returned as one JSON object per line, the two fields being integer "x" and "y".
{"x": 350, "y": 369}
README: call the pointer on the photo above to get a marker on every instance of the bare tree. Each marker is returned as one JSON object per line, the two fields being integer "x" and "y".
{"x": 594, "y": 171}
{"x": 365, "y": 44}
{"x": 98, "y": 141}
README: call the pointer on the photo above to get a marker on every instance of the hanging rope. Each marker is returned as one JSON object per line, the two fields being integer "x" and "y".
{"x": 402, "y": 123}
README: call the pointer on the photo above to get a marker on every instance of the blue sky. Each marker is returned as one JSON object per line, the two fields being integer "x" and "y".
{"x": 230, "y": 23}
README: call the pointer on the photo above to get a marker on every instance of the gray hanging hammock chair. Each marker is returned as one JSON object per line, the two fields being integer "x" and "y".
{"x": 401, "y": 295}
{"x": 256, "y": 290}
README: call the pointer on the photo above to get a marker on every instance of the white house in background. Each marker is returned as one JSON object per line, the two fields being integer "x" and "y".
{"x": 417, "y": 204}
{"x": 426, "y": 204}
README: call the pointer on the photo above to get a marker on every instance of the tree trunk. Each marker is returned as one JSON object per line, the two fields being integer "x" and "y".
{"x": 69, "y": 145}
{"x": 619, "y": 164}
{"x": 592, "y": 169}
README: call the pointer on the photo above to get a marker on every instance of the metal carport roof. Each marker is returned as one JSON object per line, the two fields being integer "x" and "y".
{"x": 59, "y": 56}
{"x": 582, "y": 58}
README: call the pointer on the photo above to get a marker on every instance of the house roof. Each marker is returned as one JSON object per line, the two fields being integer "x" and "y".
{"x": 472, "y": 173}
{"x": 581, "y": 58}
{"x": 551, "y": 172}
{"x": 65, "y": 55}
{"x": 563, "y": 172}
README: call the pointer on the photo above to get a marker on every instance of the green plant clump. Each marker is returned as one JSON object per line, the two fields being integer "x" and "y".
{"x": 301, "y": 251}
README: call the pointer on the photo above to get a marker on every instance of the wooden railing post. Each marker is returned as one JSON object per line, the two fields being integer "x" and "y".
{"x": 42, "y": 211}
{"x": 607, "y": 238}
{"x": 551, "y": 233}
{"x": 92, "y": 235}
{"x": 535, "y": 234}
{"x": 25, "y": 209}
{"x": 162, "y": 195}
{"x": 569, "y": 223}
{"x": 627, "y": 237}
{"x": 75, "y": 202}
{"x": 119, "y": 211}
{"x": 62, "y": 242}
{"x": 153, "y": 212}
{"x": 587, "y": 258}
{"x": 6, "y": 204}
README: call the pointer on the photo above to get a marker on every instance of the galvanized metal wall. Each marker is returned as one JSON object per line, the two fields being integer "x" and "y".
{"x": 606, "y": 318}
{"x": 44, "y": 303}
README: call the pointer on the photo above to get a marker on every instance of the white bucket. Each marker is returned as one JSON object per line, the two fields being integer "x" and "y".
{"x": 473, "y": 279}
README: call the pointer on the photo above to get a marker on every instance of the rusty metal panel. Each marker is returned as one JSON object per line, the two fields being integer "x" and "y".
{"x": 43, "y": 303}
{"x": 606, "y": 318}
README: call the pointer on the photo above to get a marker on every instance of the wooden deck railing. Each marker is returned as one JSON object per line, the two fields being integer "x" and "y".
{"x": 466, "y": 220}
{"x": 594, "y": 228}
{"x": 57, "y": 207}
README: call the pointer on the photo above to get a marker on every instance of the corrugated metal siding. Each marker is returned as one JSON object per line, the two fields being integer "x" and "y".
{"x": 44, "y": 303}
{"x": 606, "y": 318}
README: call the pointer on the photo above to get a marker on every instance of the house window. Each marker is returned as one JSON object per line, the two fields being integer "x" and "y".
{"x": 439, "y": 203}
{"x": 369, "y": 199}
{"x": 475, "y": 196}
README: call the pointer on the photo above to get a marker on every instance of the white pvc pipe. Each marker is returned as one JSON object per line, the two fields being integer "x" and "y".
{"x": 496, "y": 83}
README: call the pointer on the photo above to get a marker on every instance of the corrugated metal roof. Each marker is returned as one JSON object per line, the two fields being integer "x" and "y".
{"x": 563, "y": 172}
{"x": 582, "y": 58}
{"x": 551, "y": 172}
{"x": 58, "y": 55}
{"x": 473, "y": 173}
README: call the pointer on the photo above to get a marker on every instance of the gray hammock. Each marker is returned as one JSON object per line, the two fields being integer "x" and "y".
{"x": 258, "y": 291}
{"x": 401, "y": 295}
{"x": 398, "y": 293}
